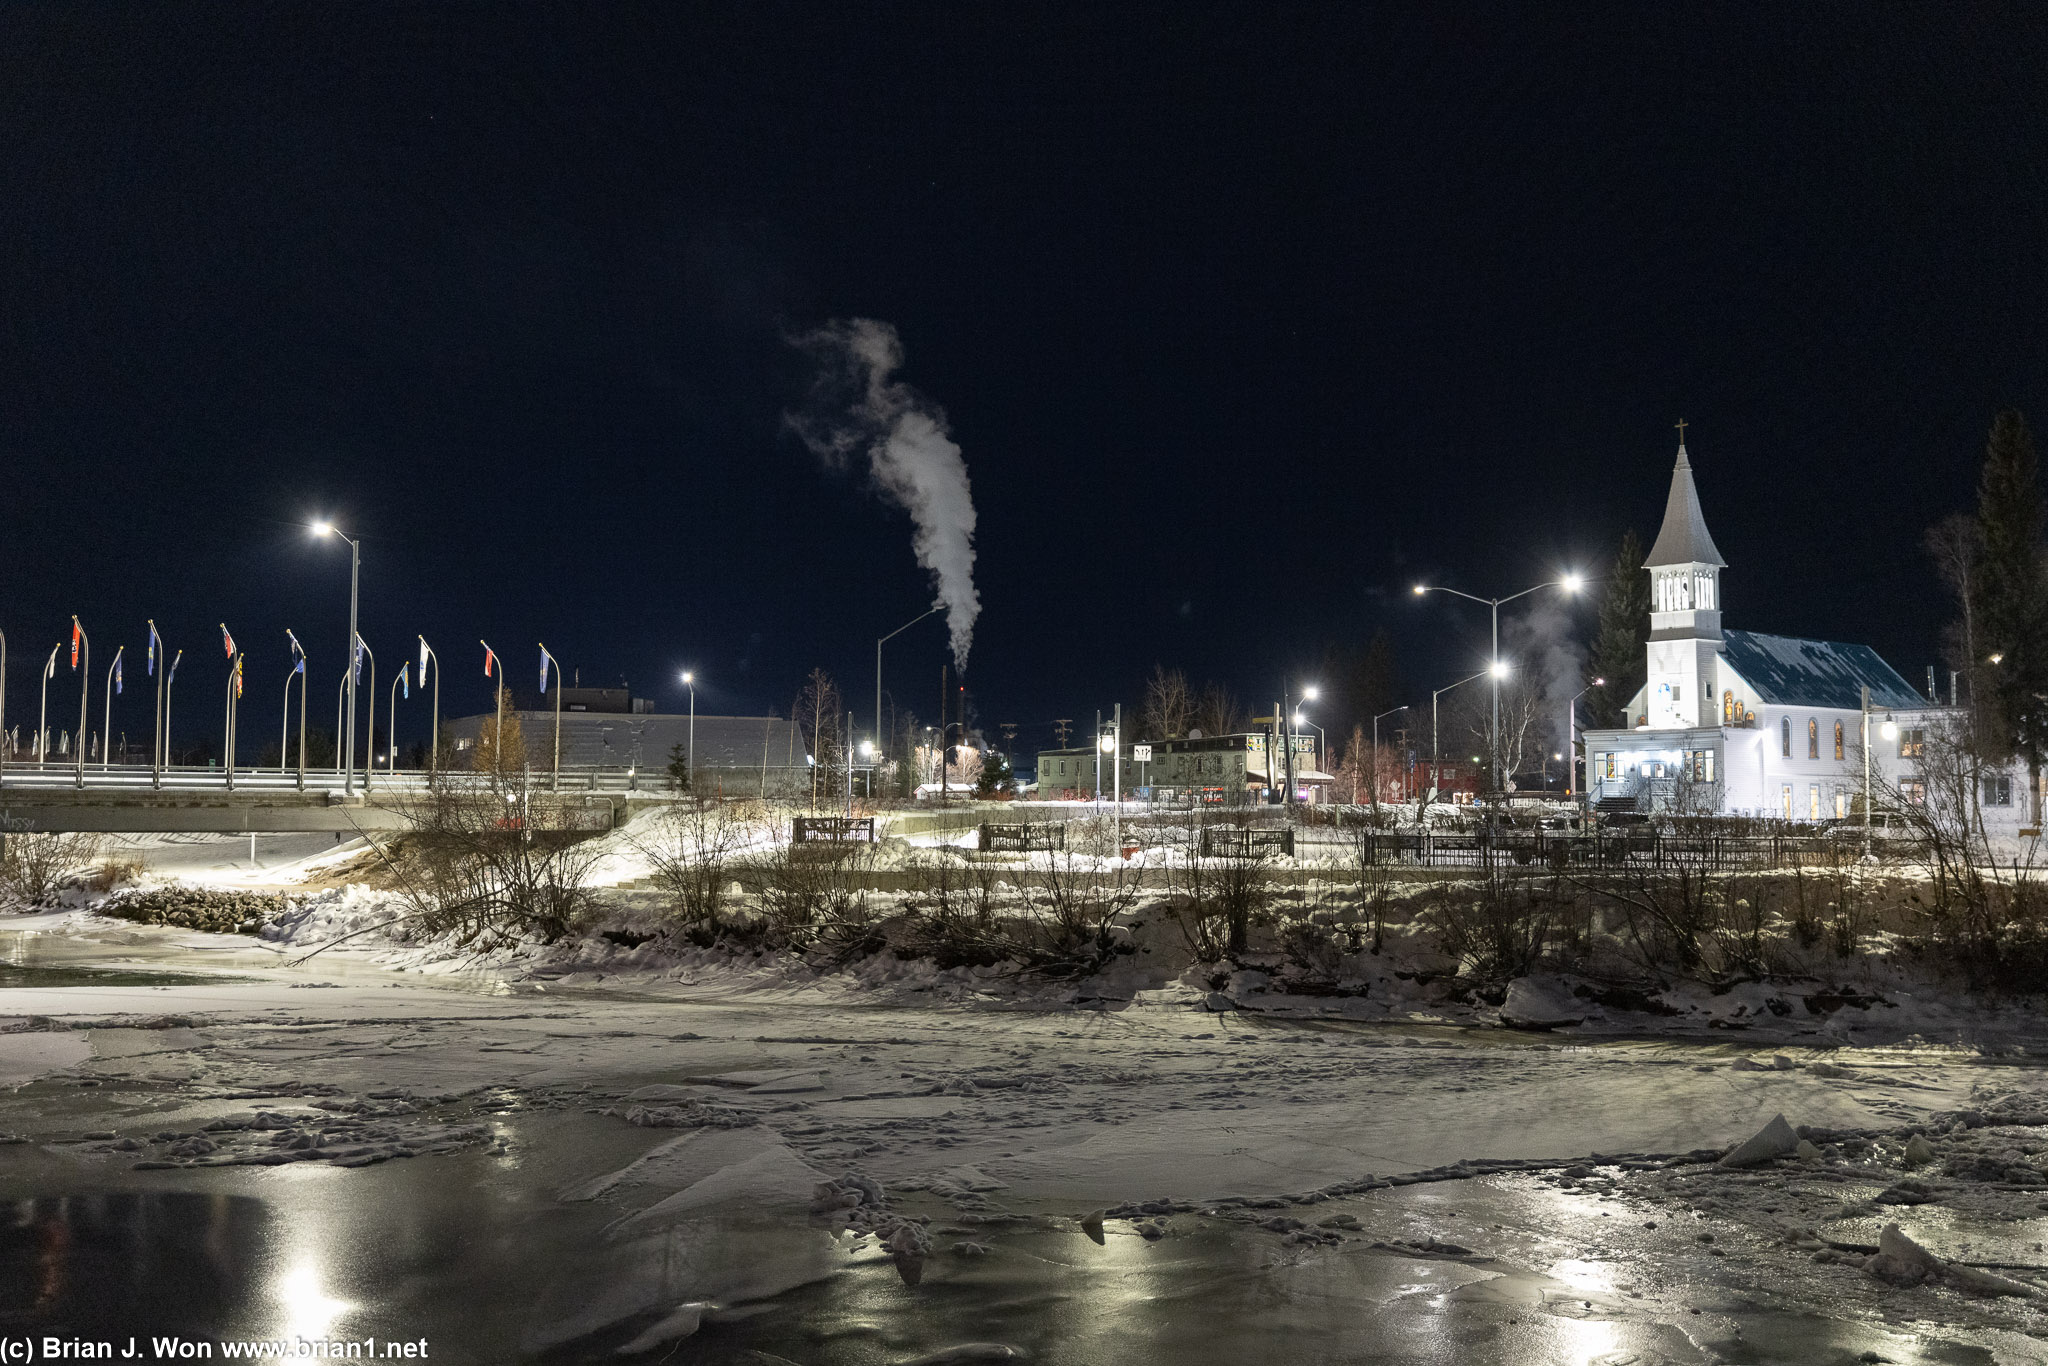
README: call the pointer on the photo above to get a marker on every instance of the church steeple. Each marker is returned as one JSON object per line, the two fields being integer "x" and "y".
{"x": 1685, "y": 607}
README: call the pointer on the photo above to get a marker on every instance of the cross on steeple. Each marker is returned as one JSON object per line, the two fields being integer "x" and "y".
{"x": 1681, "y": 425}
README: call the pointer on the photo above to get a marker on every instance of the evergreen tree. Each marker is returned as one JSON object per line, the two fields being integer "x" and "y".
{"x": 2010, "y": 590}
{"x": 1619, "y": 650}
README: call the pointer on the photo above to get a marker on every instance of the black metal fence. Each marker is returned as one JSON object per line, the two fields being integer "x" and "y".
{"x": 832, "y": 830}
{"x": 1594, "y": 851}
{"x": 1022, "y": 839}
{"x": 1243, "y": 841}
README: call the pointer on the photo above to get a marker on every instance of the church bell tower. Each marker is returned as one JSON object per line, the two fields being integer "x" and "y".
{"x": 1685, "y": 609}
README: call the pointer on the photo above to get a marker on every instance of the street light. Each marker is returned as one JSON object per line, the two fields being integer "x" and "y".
{"x": 43, "y": 717}
{"x": 1571, "y": 736}
{"x": 107, "y": 719}
{"x": 1376, "y": 753}
{"x": 690, "y": 764}
{"x": 1435, "y": 767}
{"x": 878, "y": 672}
{"x": 1570, "y": 583}
{"x": 355, "y": 566}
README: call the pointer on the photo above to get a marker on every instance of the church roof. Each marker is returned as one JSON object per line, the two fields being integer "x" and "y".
{"x": 1789, "y": 672}
{"x": 1684, "y": 539}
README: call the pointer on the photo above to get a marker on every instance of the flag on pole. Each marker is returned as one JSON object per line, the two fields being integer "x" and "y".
{"x": 74, "y": 642}
{"x": 405, "y": 682}
{"x": 298, "y": 651}
{"x": 238, "y": 675}
{"x": 154, "y": 643}
{"x": 359, "y": 659}
{"x": 117, "y": 671}
{"x": 543, "y": 673}
{"x": 490, "y": 659}
{"x": 172, "y": 677}
{"x": 227, "y": 641}
{"x": 423, "y": 661}
{"x": 50, "y": 668}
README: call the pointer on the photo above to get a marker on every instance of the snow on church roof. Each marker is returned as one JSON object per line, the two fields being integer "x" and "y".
{"x": 1789, "y": 672}
{"x": 1684, "y": 538}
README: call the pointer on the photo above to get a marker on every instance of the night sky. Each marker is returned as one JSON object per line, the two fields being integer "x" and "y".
{"x": 1245, "y": 316}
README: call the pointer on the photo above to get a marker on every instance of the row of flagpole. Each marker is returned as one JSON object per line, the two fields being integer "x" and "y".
{"x": 167, "y": 675}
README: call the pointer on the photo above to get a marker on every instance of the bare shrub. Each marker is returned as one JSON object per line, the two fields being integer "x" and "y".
{"x": 1218, "y": 899}
{"x": 33, "y": 866}
{"x": 811, "y": 896}
{"x": 490, "y": 852}
{"x": 1498, "y": 926}
{"x": 1069, "y": 907}
{"x": 693, "y": 848}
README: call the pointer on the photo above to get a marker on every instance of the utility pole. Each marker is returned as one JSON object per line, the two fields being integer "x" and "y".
{"x": 1060, "y": 727}
{"x": 942, "y": 733}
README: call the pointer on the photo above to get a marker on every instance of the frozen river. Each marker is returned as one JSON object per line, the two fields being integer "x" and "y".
{"x": 232, "y": 1149}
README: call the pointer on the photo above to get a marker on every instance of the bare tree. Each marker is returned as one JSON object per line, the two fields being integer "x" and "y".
{"x": 816, "y": 714}
{"x": 1169, "y": 705}
{"x": 1217, "y": 711}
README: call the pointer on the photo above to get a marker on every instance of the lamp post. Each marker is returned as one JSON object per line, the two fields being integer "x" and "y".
{"x": 546, "y": 659}
{"x": 1376, "y": 752}
{"x": 43, "y": 716}
{"x": 434, "y": 740}
{"x": 1571, "y": 740}
{"x": 867, "y": 752}
{"x": 5, "y": 748}
{"x": 1322, "y": 737}
{"x": 299, "y": 672}
{"x": 1569, "y": 583}
{"x": 1435, "y": 765}
{"x": 355, "y": 567}
{"x": 78, "y": 636}
{"x": 878, "y": 671}
{"x": 340, "y": 703}
{"x": 690, "y": 755}
{"x": 156, "y": 714}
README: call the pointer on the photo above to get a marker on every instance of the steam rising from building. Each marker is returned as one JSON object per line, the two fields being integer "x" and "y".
{"x": 858, "y": 409}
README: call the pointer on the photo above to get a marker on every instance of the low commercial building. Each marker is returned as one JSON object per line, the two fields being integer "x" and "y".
{"x": 735, "y": 755}
{"x": 1234, "y": 764}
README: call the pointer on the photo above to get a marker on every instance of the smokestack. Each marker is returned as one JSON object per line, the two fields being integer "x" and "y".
{"x": 1933, "y": 693}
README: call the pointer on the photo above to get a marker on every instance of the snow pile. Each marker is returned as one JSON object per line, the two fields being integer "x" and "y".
{"x": 339, "y": 912}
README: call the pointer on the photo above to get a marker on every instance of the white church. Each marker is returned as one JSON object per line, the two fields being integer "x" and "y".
{"x": 1742, "y": 723}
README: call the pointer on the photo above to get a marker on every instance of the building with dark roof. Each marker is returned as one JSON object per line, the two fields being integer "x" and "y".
{"x": 1739, "y": 722}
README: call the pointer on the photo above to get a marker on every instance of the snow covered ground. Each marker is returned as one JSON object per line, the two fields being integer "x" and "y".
{"x": 559, "y": 1152}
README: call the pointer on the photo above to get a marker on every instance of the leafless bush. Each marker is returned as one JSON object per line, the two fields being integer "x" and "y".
{"x": 1500, "y": 925}
{"x": 489, "y": 851}
{"x": 693, "y": 847}
{"x": 812, "y": 897}
{"x": 1069, "y": 907}
{"x": 1218, "y": 899}
{"x": 33, "y": 866}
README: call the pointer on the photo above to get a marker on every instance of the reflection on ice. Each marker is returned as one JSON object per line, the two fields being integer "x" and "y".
{"x": 309, "y": 1311}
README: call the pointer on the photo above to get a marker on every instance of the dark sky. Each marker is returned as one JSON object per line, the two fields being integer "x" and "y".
{"x": 1246, "y": 316}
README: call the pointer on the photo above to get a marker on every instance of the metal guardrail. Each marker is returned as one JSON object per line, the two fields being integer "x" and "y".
{"x": 1240, "y": 841}
{"x": 140, "y": 779}
{"x": 1592, "y": 852}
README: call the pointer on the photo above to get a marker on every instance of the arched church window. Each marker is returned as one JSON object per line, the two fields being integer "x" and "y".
{"x": 1729, "y": 716}
{"x": 1838, "y": 739}
{"x": 1812, "y": 738}
{"x": 1785, "y": 737}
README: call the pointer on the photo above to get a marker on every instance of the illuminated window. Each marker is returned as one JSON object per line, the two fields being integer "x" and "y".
{"x": 1912, "y": 742}
{"x": 1998, "y": 789}
{"x": 1838, "y": 740}
{"x": 1729, "y": 714}
{"x": 1812, "y": 738}
{"x": 1787, "y": 795}
{"x": 1813, "y": 802}
{"x": 1785, "y": 742}
{"x": 1914, "y": 790}
{"x": 1841, "y": 804}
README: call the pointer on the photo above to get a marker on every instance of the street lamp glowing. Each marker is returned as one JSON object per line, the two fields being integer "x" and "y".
{"x": 1310, "y": 694}
{"x": 867, "y": 749}
{"x": 1420, "y": 590}
{"x": 1571, "y": 583}
{"x": 1998, "y": 658}
{"x": 323, "y": 528}
{"x": 1299, "y": 721}
{"x": 1499, "y": 669}
{"x": 1108, "y": 745}
{"x": 1890, "y": 730}
{"x": 689, "y": 677}
{"x": 1599, "y": 682}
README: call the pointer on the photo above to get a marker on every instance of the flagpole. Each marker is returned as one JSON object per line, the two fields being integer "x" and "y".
{"x": 557, "y": 781}
{"x": 340, "y": 693}
{"x": 228, "y": 738}
{"x": 84, "y": 687}
{"x": 434, "y": 742}
{"x": 392, "y": 767}
{"x": 6, "y": 750}
{"x": 43, "y": 717}
{"x": 305, "y": 677}
{"x": 156, "y": 711}
{"x": 370, "y": 750}
{"x": 490, "y": 660}
{"x": 107, "y": 720}
{"x": 171, "y": 676}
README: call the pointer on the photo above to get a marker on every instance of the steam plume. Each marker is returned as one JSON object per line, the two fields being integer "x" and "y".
{"x": 858, "y": 408}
